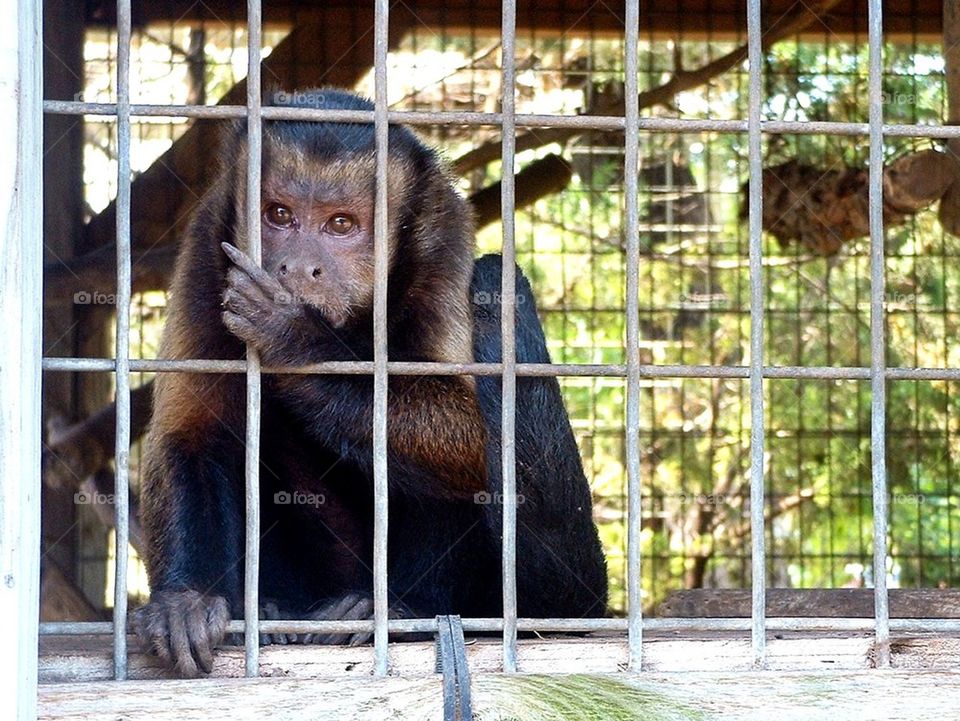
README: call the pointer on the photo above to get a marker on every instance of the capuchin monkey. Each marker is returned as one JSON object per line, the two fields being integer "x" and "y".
{"x": 312, "y": 301}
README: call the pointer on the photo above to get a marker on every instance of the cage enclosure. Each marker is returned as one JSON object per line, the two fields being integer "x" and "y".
{"x": 739, "y": 226}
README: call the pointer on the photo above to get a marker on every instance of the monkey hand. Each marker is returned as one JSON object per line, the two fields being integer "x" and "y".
{"x": 259, "y": 311}
{"x": 182, "y": 628}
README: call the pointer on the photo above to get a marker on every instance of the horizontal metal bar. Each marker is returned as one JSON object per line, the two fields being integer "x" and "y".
{"x": 540, "y": 370}
{"x": 552, "y": 625}
{"x": 584, "y": 122}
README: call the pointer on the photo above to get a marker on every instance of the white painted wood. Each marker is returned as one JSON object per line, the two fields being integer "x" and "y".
{"x": 84, "y": 659}
{"x": 744, "y": 696}
{"x": 20, "y": 348}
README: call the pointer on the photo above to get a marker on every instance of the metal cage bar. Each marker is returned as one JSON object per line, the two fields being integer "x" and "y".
{"x": 508, "y": 335}
{"x": 251, "y": 572}
{"x": 878, "y": 348}
{"x": 122, "y": 447}
{"x": 757, "y": 435}
{"x": 607, "y": 370}
{"x": 632, "y": 233}
{"x": 556, "y": 625}
{"x": 380, "y": 379}
{"x": 522, "y": 120}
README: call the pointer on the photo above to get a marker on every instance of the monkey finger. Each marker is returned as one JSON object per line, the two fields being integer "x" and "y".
{"x": 270, "y": 611}
{"x": 256, "y": 273}
{"x": 281, "y": 639}
{"x": 352, "y": 607}
{"x": 150, "y": 625}
{"x": 180, "y": 652}
{"x": 218, "y": 616}
{"x": 359, "y": 639}
{"x": 239, "y": 326}
{"x": 235, "y": 301}
{"x": 207, "y": 627}
{"x": 363, "y": 609}
{"x": 201, "y": 649}
{"x": 244, "y": 287}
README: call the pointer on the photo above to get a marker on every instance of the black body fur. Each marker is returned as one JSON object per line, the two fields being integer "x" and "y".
{"x": 444, "y": 545}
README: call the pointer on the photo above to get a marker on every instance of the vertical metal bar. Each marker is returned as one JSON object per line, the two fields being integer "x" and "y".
{"x": 878, "y": 346}
{"x": 631, "y": 191}
{"x": 21, "y": 272}
{"x": 251, "y": 576}
{"x": 508, "y": 331}
{"x": 122, "y": 449}
{"x": 380, "y": 380}
{"x": 758, "y": 550}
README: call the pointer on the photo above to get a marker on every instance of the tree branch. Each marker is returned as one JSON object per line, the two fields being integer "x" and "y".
{"x": 72, "y": 453}
{"x": 681, "y": 81}
{"x": 84, "y": 279}
{"x": 541, "y": 178}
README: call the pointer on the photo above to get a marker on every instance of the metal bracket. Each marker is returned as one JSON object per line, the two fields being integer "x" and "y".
{"x": 452, "y": 663}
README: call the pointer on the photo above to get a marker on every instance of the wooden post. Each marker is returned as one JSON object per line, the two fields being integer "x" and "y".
{"x": 21, "y": 267}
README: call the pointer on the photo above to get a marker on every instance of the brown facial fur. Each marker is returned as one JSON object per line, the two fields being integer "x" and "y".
{"x": 314, "y": 190}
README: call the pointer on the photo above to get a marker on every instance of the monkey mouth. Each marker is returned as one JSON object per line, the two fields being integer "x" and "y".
{"x": 331, "y": 311}
{"x": 328, "y": 304}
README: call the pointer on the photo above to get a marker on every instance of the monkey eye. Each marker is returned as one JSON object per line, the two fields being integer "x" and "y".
{"x": 279, "y": 216}
{"x": 341, "y": 224}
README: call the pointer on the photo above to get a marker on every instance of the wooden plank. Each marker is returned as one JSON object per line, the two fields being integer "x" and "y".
{"x": 692, "y": 18}
{"x": 82, "y": 659}
{"x": 747, "y": 696}
{"x": 811, "y": 603}
{"x": 21, "y": 267}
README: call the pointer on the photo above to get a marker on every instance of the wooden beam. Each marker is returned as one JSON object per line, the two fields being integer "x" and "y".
{"x": 544, "y": 176}
{"x": 21, "y": 269}
{"x": 718, "y": 19}
{"x": 348, "y": 691}
{"x": 70, "y": 659}
{"x": 93, "y": 276}
{"x": 812, "y": 603}
{"x": 63, "y": 187}
{"x": 74, "y": 452}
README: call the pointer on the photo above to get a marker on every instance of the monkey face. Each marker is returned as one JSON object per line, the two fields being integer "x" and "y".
{"x": 316, "y": 219}
{"x": 317, "y": 232}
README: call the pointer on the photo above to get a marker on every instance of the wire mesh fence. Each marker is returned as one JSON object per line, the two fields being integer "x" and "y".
{"x": 721, "y": 382}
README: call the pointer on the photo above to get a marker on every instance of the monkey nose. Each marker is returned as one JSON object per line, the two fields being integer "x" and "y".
{"x": 299, "y": 272}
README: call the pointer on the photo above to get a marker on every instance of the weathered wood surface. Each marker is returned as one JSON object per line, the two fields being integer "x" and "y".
{"x": 695, "y": 19}
{"x": 21, "y": 345}
{"x": 747, "y": 696}
{"x": 81, "y": 659}
{"x": 812, "y": 602}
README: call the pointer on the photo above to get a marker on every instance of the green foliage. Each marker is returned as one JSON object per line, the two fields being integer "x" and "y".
{"x": 694, "y": 300}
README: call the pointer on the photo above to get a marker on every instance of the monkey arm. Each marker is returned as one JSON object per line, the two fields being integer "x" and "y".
{"x": 436, "y": 435}
{"x": 192, "y": 512}
{"x": 194, "y": 515}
